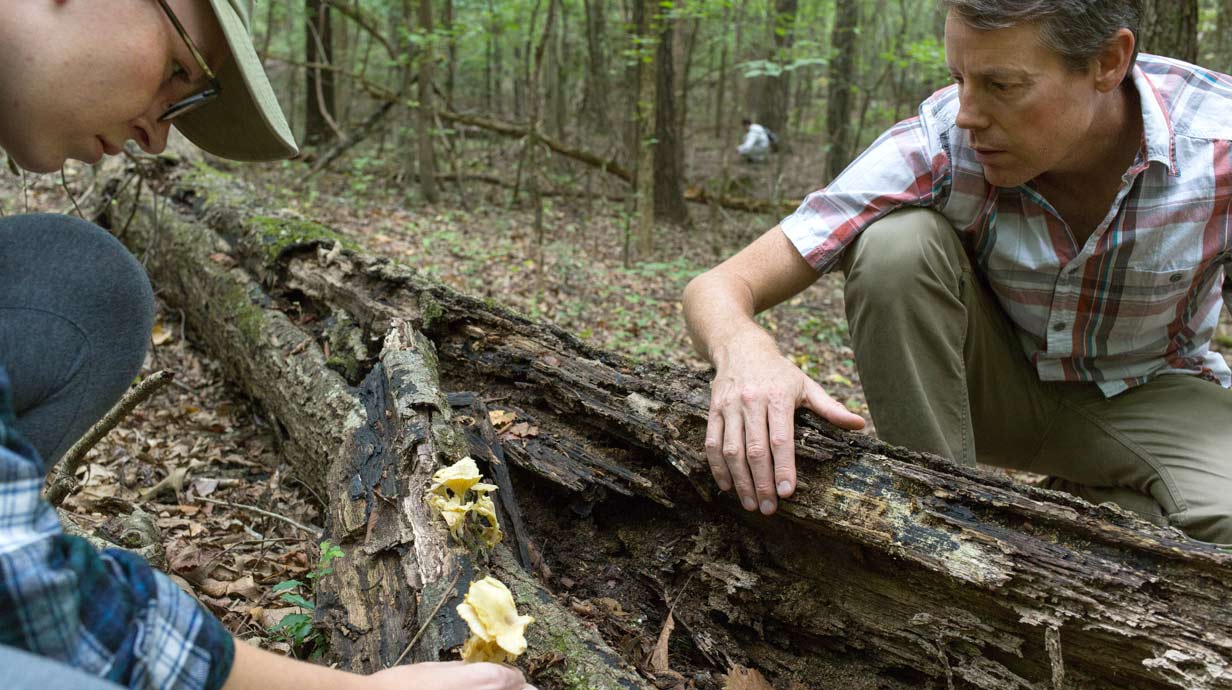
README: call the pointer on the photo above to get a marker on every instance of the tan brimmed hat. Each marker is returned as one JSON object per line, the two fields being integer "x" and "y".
{"x": 245, "y": 122}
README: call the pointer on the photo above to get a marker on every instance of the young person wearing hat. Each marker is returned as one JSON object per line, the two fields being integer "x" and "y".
{"x": 78, "y": 79}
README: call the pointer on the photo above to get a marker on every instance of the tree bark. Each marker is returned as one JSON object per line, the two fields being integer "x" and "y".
{"x": 595, "y": 88}
{"x": 772, "y": 104}
{"x": 668, "y": 147}
{"x": 1221, "y": 38}
{"x": 427, "y": 149}
{"x": 842, "y": 79}
{"x": 1170, "y": 27}
{"x": 891, "y": 564}
{"x": 645, "y": 116}
{"x": 322, "y": 105}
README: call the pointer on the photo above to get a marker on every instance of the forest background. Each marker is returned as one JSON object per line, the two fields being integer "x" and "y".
{"x": 571, "y": 159}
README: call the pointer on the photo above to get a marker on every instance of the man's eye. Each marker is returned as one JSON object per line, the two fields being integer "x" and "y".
{"x": 1001, "y": 87}
{"x": 178, "y": 71}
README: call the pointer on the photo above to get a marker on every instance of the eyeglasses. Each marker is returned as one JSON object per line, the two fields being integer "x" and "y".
{"x": 187, "y": 105}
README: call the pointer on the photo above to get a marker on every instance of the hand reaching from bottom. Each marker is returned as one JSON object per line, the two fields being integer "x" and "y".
{"x": 448, "y": 675}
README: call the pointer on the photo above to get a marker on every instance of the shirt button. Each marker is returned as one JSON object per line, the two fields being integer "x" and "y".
{"x": 1059, "y": 326}
{"x": 1175, "y": 278}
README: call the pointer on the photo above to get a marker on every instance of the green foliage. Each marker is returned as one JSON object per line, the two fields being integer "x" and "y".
{"x": 296, "y": 629}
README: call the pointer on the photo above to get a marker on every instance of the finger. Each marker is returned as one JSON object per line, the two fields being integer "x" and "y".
{"x": 733, "y": 456}
{"x": 495, "y": 676}
{"x": 782, "y": 444}
{"x": 830, "y": 409}
{"x": 757, "y": 449}
{"x": 714, "y": 449}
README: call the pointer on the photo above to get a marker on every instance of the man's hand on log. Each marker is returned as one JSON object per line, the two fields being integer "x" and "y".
{"x": 750, "y": 435}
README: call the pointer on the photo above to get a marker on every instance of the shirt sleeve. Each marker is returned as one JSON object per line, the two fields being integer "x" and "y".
{"x": 906, "y": 166}
{"x": 106, "y": 613}
{"x": 750, "y": 141}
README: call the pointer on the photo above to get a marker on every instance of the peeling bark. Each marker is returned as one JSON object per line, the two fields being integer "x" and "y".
{"x": 885, "y": 559}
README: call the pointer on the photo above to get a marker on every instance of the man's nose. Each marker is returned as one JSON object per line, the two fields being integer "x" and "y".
{"x": 970, "y": 115}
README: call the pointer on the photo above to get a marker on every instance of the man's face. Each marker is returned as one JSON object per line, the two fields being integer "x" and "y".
{"x": 1026, "y": 113}
{"x": 84, "y": 76}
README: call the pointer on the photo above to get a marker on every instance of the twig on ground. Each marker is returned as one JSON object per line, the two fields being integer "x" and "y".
{"x": 315, "y": 532}
{"x": 63, "y": 479}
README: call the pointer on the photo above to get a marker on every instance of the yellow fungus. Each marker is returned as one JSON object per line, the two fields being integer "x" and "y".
{"x": 498, "y": 633}
{"x": 447, "y": 496}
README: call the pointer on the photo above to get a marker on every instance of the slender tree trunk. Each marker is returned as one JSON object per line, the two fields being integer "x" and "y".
{"x": 427, "y": 152}
{"x": 646, "y": 11}
{"x": 772, "y": 105}
{"x": 560, "y": 85}
{"x": 498, "y": 60}
{"x": 842, "y": 79}
{"x": 668, "y": 146}
{"x": 721, "y": 111}
{"x": 320, "y": 94}
{"x": 1170, "y": 27}
{"x": 1221, "y": 53}
{"x": 452, "y": 46}
{"x": 595, "y": 90}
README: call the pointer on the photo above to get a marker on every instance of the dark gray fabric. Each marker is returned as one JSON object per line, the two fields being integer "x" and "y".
{"x": 25, "y": 671}
{"x": 76, "y": 311}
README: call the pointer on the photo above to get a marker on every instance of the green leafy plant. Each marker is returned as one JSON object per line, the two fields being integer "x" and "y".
{"x": 296, "y": 629}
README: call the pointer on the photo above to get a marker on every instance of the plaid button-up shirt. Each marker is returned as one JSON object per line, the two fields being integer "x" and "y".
{"x": 108, "y": 614}
{"x": 1140, "y": 299}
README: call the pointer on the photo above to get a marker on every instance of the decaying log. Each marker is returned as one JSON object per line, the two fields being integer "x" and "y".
{"x": 372, "y": 448}
{"x": 932, "y": 574}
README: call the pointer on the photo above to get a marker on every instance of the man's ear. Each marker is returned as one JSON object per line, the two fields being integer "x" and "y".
{"x": 1113, "y": 61}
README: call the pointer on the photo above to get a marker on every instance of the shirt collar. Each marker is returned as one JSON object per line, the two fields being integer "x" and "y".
{"x": 1156, "y": 125}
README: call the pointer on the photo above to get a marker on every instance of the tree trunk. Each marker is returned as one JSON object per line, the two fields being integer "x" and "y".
{"x": 842, "y": 79}
{"x": 887, "y": 567}
{"x": 322, "y": 105}
{"x": 1170, "y": 27}
{"x": 1221, "y": 38}
{"x": 774, "y": 89}
{"x": 451, "y": 47}
{"x": 427, "y": 107}
{"x": 668, "y": 146}
{"x": 645, "y": 108}
{"x": 595, "y": 88}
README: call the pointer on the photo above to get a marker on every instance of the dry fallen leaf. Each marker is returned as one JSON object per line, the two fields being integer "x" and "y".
{"x": 519, "y": 430}
{"x": 658, "y": 658}
{"x": 500, "y": 418}
{"x": 741, "y": 678}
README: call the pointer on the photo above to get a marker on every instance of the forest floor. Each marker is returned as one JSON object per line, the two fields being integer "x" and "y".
{"x": 236, "y": 523}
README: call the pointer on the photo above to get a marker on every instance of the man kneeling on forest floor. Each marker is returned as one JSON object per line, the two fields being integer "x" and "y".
{"x": 1034, "y": 271}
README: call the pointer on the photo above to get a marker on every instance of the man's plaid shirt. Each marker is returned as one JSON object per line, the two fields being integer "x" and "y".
{"x": 1141, "y": 299}
{"x": 108, "y": 614}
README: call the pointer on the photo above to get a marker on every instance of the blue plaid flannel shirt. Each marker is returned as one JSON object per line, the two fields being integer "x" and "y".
{"x": 106, "y": 613}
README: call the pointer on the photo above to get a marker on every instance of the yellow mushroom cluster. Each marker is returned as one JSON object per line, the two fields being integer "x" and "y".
{"x": 448, "y": 497}
{"x": 498, "y": 633}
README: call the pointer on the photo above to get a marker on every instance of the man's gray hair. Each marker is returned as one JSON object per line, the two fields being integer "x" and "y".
{"x": 1076, "y": 29}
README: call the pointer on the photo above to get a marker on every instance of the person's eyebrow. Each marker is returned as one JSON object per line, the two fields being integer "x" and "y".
{"x": 1005, "y": 74}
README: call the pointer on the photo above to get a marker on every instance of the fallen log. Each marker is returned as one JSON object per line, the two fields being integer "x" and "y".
{"x": 885, "y": 561}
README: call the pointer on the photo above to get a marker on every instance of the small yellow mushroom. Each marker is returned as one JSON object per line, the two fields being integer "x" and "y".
{"x": 458, "y": 477}
{"x": 453, "y": 510}
{"x": 485, "y": 508}
{"x": 498, "y": 633}
{"x": 447, "y": 497}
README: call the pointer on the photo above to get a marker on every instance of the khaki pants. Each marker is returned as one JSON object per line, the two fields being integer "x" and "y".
{"x": 944, "y": 372}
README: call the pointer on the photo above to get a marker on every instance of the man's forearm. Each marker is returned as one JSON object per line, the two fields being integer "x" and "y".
{"x": 719, "y": 312}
